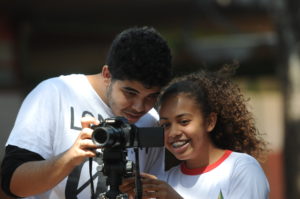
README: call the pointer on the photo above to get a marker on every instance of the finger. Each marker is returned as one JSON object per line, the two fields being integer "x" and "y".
{"x": 150, "y": 194}
{"x": 87, "y": 144}
{"x": 130, "y": 180}
{"x": 150, "y": 187}
{"x": 86, "y": 133}
{"x": 127, "y": 185}
{"x": 90, "y": 153}
{"x": 147, "y": 175}
{"x": 87, "y": 121}
{"x": 127, "y": 190}
{"x": 150, "y": 181}
{"x": 131, "y": 196}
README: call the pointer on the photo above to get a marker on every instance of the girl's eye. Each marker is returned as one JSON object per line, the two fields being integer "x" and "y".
{"x": 165, "y": 125}
{"x": 153, "y": 96}
{"x": 184, "y": 122}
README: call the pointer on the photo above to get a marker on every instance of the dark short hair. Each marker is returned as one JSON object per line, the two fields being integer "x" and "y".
{"x": 140, "y": 54}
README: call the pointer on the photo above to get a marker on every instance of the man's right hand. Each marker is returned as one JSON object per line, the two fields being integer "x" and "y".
{"x": 83, "y": 146}
{"x": 46, "y": 174}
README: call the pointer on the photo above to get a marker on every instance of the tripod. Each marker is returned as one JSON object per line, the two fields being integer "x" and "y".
{"x": 115, "y": 168}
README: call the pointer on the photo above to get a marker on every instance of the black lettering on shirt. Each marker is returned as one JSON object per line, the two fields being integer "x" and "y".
{"x": 72, "y": 189}
{"x": 72, "y": 186}
{"x": 84, "y": 113}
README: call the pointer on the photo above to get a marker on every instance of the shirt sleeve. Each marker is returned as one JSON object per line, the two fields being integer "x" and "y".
{"x": 154, "y": 161}
{"x": 13, "y": 158}
{"x": 249, "y": 181}
{"x": 35, "y": 124}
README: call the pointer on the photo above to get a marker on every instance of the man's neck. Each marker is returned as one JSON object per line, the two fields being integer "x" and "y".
{"x": 97, "y": 82}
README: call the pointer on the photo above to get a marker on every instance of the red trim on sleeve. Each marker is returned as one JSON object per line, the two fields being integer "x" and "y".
{"x": 205, "y": 169}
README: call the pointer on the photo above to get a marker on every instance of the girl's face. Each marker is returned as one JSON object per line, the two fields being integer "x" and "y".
{"x": 186, "y": 130}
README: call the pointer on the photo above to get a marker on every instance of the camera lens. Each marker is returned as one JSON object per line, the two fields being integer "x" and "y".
{"x": 100, "y": 135}
{"x": 105, "y": 136}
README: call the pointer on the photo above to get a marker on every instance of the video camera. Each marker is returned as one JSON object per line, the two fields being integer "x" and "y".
{"x": 114, "y": 135}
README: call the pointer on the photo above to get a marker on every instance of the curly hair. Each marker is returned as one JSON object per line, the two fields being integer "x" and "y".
{"x": 215, "y": 92}
{"x": 140, "y": 54}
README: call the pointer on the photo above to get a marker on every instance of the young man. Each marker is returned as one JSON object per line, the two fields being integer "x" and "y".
{"x": 48, "y": 149}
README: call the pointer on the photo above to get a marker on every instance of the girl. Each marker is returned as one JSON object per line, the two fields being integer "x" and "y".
{"x": 209, "y": 128}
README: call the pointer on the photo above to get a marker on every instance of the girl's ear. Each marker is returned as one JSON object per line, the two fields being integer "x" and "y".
{"x": 211, "y": 121}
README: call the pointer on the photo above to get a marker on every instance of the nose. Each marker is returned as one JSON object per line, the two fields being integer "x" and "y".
{"x": 174, "y": 131}
{"x": 138, "y": 106}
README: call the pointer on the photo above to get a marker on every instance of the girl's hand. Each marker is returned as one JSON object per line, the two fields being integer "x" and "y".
{"x": 128, "y": 186}
{"x": 154, "y": 188}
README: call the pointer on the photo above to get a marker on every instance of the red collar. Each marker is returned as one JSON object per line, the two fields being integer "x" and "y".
{"x": 204, "y": 169}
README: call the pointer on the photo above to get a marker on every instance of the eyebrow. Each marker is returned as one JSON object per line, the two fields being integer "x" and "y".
{"x": 136, "y": 91}
{"x": 177, "y": 116}
{"x": 163, "y": 118}
{"x": 130, "y": 89}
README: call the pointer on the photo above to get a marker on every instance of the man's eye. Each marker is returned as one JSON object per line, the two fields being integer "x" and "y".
{"x": 128, "y": 93}
{"x": 131, "y": 93}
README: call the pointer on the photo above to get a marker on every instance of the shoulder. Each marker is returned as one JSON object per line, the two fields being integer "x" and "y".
{"x": 175, "y": 169}
{"x": 248, "y": 177}
{"x": 56, "y": 83}
{"x": 48, "y": 89}
{"x": 66, "y": 80}
{"x": 246, "y": 166}
{"x": 243, "y": 159}
{"x": 59, "y": 80}
{"x": 172, "y": 173}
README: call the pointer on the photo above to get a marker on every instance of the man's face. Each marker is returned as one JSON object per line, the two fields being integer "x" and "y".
{"x": 130, "y": 99}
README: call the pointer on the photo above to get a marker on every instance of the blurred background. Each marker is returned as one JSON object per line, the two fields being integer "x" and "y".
{"x": 42, "y": 39}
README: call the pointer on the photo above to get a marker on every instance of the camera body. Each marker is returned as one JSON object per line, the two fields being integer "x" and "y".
{"x": 116, "y": 131}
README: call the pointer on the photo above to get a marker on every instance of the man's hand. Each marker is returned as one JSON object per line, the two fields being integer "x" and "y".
{"x": 46, "y": 174}
{"x": 83, "y": 146}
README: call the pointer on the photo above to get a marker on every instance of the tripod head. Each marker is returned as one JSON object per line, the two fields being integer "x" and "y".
{"x": 115, "y": 168}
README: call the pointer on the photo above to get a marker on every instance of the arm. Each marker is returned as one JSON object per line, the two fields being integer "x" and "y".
{"x": 45, "y": 174}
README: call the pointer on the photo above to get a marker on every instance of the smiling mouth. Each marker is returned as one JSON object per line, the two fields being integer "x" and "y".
{"x": 179, "y": 143}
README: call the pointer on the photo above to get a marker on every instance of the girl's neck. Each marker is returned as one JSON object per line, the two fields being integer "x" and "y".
{"x": 205, "y": 158}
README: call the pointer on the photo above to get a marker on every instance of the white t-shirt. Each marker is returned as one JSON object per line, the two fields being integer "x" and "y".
{"x": 233, "y": 176}
{"x": 48, "y": 123}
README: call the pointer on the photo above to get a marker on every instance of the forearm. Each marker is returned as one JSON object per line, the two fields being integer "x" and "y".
{"x": 35, "y": 177}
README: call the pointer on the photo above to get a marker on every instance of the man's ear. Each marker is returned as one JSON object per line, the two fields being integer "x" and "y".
{"x": 211, "y": 121}
{"x": 106, "y": 74}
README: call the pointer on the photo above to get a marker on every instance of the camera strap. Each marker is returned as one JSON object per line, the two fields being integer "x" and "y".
{"x": 91, "y": 178}
{"x": 138, "y": 183}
